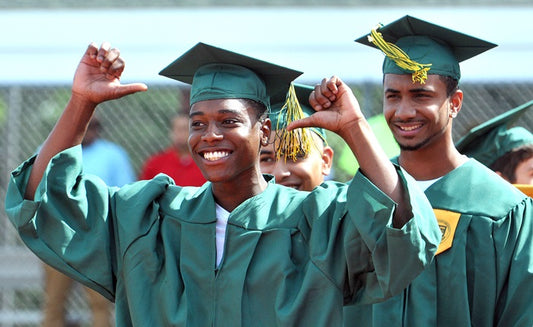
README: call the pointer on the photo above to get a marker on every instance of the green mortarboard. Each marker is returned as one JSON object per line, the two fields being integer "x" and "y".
{"x": 413, "y": 46}
{"x": 216, "y": 73}
{"x": 492, "y": 139}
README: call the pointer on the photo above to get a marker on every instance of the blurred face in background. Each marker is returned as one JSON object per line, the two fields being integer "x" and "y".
{"x": 524, "y": 172}
{"x": 179, "y": 133}
{"x": 305, "y": 173}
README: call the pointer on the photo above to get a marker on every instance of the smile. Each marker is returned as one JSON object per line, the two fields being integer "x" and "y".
{"x": 215, "y": 155}
{"x": 409, "y": 128}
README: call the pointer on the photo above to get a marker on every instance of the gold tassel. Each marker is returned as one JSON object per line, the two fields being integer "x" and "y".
{"x": 296, "y": 143}
{"x": 420, "y": 71}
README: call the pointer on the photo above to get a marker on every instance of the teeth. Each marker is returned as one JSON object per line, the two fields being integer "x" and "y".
{"x": 212, "y": 156}
{"x": 409, "y": 128}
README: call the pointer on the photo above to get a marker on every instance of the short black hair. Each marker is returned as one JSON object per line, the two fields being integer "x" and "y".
{"x": 507, "y": 163}
{"x": 259, "y": 107}
{"x": 452, "y": 85}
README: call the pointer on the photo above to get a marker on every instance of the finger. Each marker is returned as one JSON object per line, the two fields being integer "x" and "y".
{"x": 92, "y": 50}
{"x": 314, "y": 102}
{"x": 116, "y": 68}
{"x": 111, "y": 59}
{"x": 102, "y": 52}
{"x": 128, "y": 89}
{"x": 319, "y": 96}
{"x": 333, "y": 85}
{"x": 301, "y": 123}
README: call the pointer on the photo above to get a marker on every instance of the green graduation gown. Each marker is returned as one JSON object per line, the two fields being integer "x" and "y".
{"x": 484, "y": 277}
{"x": 291, "y": 258}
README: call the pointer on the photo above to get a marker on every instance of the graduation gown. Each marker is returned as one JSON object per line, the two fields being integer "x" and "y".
{"x": 482, "y": 274}
{"x": 291, "y": 258}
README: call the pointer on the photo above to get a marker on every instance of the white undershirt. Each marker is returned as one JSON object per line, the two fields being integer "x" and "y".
{"x": 425, "y": 184}
{"x": 222, "y": 220}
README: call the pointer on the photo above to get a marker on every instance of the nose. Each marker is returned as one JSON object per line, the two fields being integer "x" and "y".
{"x": 212, "y": 133}
{"x": 281, "y": 170}
{"x": 404, "y": 110}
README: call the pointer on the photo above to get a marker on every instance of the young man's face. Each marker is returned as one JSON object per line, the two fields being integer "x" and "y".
{"x": 417, "y": 114}
{"x": 304, "y": 174}
{"x": 524, "y": 172}
{"x": 224, "y": 139}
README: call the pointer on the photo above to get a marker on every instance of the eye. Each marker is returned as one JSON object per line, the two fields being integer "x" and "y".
{"x": 267, "y": 159}
{"x": 196, "y": 124}
{"x": 230, "y": 121}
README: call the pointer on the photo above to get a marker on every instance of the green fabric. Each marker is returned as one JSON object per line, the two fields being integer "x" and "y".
{"x": 486, "y": 278}
{"x": 428, "y": 43}
{"x": 425, "y": 50}
{"x": 217, "y": 73}
{"x": 224, "y": 81}
{"x": 494, "y": 138}
{"x": 291, "y": 258}
{"x": 497, "y": 143}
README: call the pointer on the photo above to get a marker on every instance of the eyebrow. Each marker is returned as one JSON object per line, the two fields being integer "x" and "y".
{"x": 266, "y": 151}
{"x": 421, "y": 89}
{"x": 221, "y": 111}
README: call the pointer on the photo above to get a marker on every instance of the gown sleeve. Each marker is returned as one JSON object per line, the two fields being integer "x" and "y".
{"x": 70, "y": 224}
{"x": 360, "y": 250}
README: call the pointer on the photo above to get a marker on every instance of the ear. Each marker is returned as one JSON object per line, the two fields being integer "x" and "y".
{"x": 327, "y": 160}
{"x": 266, "y": 129}
{"x": 456, "y": 102}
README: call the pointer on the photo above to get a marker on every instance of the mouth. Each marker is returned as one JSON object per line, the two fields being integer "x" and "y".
{"x": 409, "y": 128}
{"x": 291, "y": 185}
{"x": 214, "y": 155}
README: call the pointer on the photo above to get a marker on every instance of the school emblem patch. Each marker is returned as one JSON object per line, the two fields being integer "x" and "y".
{"x": 447, "y": 221}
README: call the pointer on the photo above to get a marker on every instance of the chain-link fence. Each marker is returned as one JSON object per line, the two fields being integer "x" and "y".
{"x": 139, "y": 123}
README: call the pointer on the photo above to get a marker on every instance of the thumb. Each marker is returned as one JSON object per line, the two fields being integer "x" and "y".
{"x": 301, "y": 123}
{"x": 127, "y": 89}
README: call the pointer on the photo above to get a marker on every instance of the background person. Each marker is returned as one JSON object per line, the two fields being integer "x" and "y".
{"x": 176, "y": 161}
{"x": 308, "y": 167}
{"x": 507, "y": 151}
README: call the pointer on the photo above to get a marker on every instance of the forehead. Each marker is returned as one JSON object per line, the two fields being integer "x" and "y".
{"x": 219, "y": 106}
{"x": 400, "y": 81}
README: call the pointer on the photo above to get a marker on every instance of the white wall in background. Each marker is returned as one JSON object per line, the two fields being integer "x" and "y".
{"x": 45, "y": 45}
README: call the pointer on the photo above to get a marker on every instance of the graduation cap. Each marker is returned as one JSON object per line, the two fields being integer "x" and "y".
{"x": 288, "y": 106}
{"x": 492, "y": 139}
{"x": 413, "y": 46}
{"x": 217, "y": 73}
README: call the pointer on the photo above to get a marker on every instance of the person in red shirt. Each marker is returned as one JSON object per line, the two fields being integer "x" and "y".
{"x": 176, "y": 160}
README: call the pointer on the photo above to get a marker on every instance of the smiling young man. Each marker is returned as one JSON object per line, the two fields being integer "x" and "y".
{"x": 482, "y": 274}
{"x": 306, "y": 168}
{"x": 239, "y": 250}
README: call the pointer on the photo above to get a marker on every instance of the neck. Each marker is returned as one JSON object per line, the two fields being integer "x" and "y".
{"x": 229, "y": 195}
{"x": 431, "y": 162}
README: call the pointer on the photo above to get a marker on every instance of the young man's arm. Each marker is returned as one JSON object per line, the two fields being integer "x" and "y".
{"x": 97, "y": 79}
{"x": 338, "y": 110}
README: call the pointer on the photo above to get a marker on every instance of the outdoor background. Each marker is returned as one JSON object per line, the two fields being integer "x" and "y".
{"x": 43, "y": 40}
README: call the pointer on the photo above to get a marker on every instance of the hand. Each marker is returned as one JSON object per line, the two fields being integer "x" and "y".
{"x": 336, "y": 107}
{"x": 97, "y": 78}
